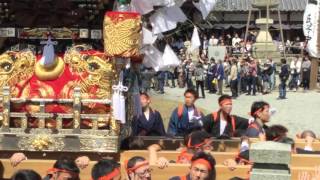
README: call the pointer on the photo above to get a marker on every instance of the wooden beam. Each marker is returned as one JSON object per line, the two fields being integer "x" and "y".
{"x": 301, "y": 160}
{"x": 314, "y": 73}
{"x": 223, "y": 173}
{"x": 220, "y": 157}
{"x": 227, "y": 145}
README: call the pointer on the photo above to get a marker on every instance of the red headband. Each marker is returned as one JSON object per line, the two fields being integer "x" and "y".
{"x": 111, "y": 175}
{"x": 225, "y": 102}
{"x": 203, "y": 162}
{"x": 197, "y": 145}
{"x": 258, "y": 110}
{"x": 184, "y": 155}
{"x": 132, "y": 169}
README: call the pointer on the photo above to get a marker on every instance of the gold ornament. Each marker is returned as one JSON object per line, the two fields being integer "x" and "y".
{"x": 50, "y": 73}
{"x": 122, "y": 36}
{"x": 15, "y": 69}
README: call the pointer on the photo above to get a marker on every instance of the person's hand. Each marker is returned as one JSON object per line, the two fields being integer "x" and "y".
{"x": 162, "y": 162}
{"x": 82, "y": 162}
{"x": 154, "y": 147}
{"x": 262, "y": 137}
{"x": 298, "y": 136}
{"x": 17, "y": 158}
{"x": 231, "y": 164}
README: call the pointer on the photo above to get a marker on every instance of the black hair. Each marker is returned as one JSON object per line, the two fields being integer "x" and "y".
{"x": 26, "y": 174}
{"x": 256, "y": 106}
{"x": 210, "y": 159}
{"x": 287, "y": 140}
{"x": 145, "y": 94}
{"x": 134, "y": 160}
{"x": 276, "y": 132}
{"x": 283, "y": 61}
{"x": 197, "y": 137}
{"x": 67, "y": 163}
{"x": 191, "y": 91}
{"x": 223, "y": 97}
{"x": 103, "y": 167}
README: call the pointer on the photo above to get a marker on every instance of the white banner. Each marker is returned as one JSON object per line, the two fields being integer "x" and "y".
{"x": 310, "y": 28}
{"x": 170, "y": 58}
{"x": 166, "y": 19}
{"x": 195, "y": 40}
{"x": 152, "y": 57}
{"x": 217, "y": 52}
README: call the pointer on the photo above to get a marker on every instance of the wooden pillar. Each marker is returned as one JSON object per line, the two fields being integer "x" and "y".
{"x": 314, "y": 73}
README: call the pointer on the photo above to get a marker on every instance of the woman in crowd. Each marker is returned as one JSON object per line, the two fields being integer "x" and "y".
{"x": 266, "y": 77}
{"x": 199, "y": 76}
{"x": 306, "y": 69}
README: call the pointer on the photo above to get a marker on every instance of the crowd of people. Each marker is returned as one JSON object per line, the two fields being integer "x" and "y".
{"x": 242, "y": 75}
{"x": 199, "y": 131}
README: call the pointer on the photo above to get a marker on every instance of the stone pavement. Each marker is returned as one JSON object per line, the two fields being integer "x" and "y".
{"x": 299, "y": 112}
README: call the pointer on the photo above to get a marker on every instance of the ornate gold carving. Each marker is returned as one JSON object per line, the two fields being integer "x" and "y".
{"x": 122, "y": 36}
{"x": 59, "y": 123}
{"x": 114, "y": 126}
{"x": 76, "y": 121}
{"x": 24, "y": 123}
{"x": 51, "y": 73}
{"x": 15, "y": 69}
{"x": 41, "y": 142}
{"x": 96, "y": 73}
{"x": 109, "y": 144}
{"x": 6, "y": 118}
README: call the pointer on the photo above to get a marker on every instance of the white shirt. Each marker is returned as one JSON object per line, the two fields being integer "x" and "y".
{"x": 223, "y": 125}
{"x": 190, "y": 113}
{"x": 295, "y": 66}
{"x": 213, "y": 42}
{"x": 235, "y": 40}
{"x": 147, "y": 115}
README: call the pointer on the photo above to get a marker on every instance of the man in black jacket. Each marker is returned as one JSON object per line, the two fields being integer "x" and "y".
{"x": 222, "y": 124}
{"x": 150, "y": 122}
{"x": 284, "y": 76}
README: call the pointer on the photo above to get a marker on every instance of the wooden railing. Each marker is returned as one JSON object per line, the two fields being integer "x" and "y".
{"x": 59, "y": 138}
{"x": 223, "y": 173}
{"x": 220, "y": 145}
{"x": 297, "y": 160}
{"x": 42, "y": 115}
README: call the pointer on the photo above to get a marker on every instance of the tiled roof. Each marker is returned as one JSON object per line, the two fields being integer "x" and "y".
{"x": 244, "y": 5}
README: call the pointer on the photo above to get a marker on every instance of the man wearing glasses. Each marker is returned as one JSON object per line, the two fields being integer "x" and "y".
{"x": 202, "y": 168}
{"x": 138, "y": 168}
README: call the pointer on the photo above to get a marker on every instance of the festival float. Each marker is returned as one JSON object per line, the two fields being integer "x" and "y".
{"x": 79, "y": 101}
{"x": 63, "y": 102}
